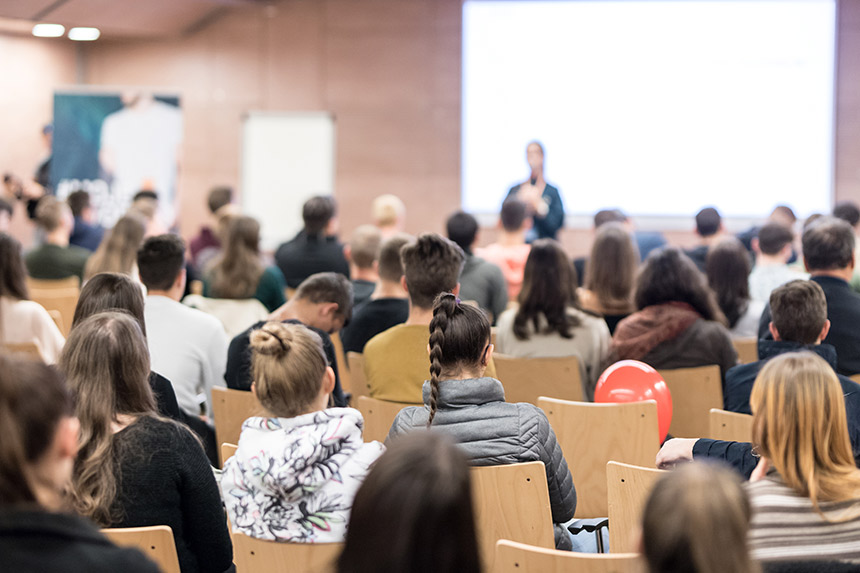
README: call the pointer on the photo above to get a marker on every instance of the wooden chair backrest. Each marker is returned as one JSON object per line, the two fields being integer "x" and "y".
{"x": 592, "y": 434}
{"x": 378, "y": 416}
{"x": 855, "y": 378}
{"x": 358, "y": 379}
{"x": 62, "y": 300}
{"x": 155, "y": 541}
{"x": 526, "y": 379}
{"x": 513, "y": 557}
{"x": 229, "y": 409}
{"x": 342, "y": 366}
{"x": 260, "y": 556}
{"x": 730, "y": 426}
{"x": 58, "y": 319}
{"x": 627, "y": 489}
{"x": 694, "y": 392}
{"x": 47, "y": 284}
{"x": 23, "y": 349}
{"x": 196, "y": 287}
{"x": 747, "y": 349}
{"x": 511, "y": 502}
{"x": 227, "y": 451}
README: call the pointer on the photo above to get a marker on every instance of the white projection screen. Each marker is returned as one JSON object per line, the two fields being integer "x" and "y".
{"x": 658, "y": 107}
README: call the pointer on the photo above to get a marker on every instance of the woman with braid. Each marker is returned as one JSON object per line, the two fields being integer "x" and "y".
{"x": 460, "y": 401}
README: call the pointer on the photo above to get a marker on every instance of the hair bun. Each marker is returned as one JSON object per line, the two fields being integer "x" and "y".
{"x": 272, "y": 339}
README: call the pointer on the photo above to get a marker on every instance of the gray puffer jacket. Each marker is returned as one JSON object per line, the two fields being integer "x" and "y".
{"x": 493, "y": 432}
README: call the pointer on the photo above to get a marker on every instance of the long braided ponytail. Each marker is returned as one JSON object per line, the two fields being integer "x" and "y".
{"x": 443, "y": 310}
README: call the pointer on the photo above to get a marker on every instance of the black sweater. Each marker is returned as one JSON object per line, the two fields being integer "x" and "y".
{"x": 164, "y": 478}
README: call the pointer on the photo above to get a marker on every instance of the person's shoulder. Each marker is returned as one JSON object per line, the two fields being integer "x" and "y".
{"x": 79, "y": 252}
{"x": 393, "y": 335}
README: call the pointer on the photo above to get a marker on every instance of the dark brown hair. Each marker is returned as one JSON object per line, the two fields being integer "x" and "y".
{"x": 549, "y": 290}
{"x": 13, "y": 274}
{"x": 117, "y": 253}
{"x": 160, "y": 260}
{"x": 432, "y": 264}
{"x": 459, "y": 338}
{"x": 669, "y": 275}
{"x": 78, "y": 201}
{"x": 328, "y": 287}
{"x": 110, "y": 291}
{"x": 218, "y": 197}
{"x": 513, "y": 215}
{"x": 390, "y": 265}
{"x": 799, "y": 311}
{"x": 828, "y": 244}
{"x": 317, "y": 212}
{"x": 236, "y": 272}
{"x": 611, "y": 269}
{"x": 728, "y": 269}
{"x": 414, "y": 511}
{"x": 773, "y": 237}
{"x": 708, "y": 222}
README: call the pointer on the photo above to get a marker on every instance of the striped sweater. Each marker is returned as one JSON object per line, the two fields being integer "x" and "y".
{"x": 785, "y": 525}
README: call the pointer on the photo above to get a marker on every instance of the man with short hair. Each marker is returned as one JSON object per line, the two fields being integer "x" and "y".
{"x": 709, "y": 229}
{"x": 206, "y": 239}
{"x": 187, "y": 346}
{"x": 315, "y": 249}
{"x": 87, "y": 233}
{"x": 828, "y": 254}
{"x": 362, "y": 252}
{"x": 389, "y": 304}
{"x": 323, "y": 303}
{"x": 389, "y": 215}
{"x": 510, "y": 250}
{"x": 480, "y": 281}
{"x": 396, "y": 362}
{"x": 55, "y": 258}
{"x": 773, "y": 249}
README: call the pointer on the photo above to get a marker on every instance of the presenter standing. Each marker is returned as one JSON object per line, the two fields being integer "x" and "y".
{"x": 542, "y": 198}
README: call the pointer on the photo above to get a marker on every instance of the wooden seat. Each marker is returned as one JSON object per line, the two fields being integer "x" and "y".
{"x": 230, "y": 408}
{"x": 156, "y": 542}
{"x": 513, "y": 557}
{"x": 23, "y": 350}
{"x": 855, "y": 378}
{"x": 46, "y": 284}
{"x": 747, "y": 349}
{"x": 694, "y": 392}
{"x": 526, "y": 379}
{"x": 259, "y": 556}
{"x": 627, "y": 488}
{"x": 61, "y": 300}
{"x": 730, "y": 426}
{"x": 358, "y": 380}
{"x": 342, "y": 366}
{"x": 511, "y": 502}
{"x": 592, "y": 434}
{"x": 378, "y": 416}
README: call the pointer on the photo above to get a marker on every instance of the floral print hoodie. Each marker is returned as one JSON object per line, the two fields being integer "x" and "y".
{"x": 294, "y": 479}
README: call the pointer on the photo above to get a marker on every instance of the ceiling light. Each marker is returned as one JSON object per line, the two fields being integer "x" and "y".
{"x": 84, "y": 34}
{"x": 48, "y": 30}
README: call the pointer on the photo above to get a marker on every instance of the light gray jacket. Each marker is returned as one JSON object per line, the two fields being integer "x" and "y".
{"x": 493, "y": 432}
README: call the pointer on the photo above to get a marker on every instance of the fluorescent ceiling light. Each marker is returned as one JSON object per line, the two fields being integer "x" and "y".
{"x": 84, "y": 34}
{"x": 48, "y": 30}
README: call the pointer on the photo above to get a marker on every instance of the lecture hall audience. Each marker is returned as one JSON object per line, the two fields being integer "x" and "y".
{"x": 510, "y": 250}
{"x": 117, "y": 253}
{"x": 55, "y": 258}
{"x": 362, "y": 252}
{"x": 773, "y": 249}
{"x": 709, "y": 230}
{"x": 727, "y": 267}
{"x": 207, "y": 239}
{"x": 87, "y": 233}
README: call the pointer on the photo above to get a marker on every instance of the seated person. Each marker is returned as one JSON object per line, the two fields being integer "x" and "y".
{"x": 389, "y": 215}
{"x": 362, "y": 252}
{"x": 323, "y": 303}
{"x": 118, "y": 251}
{"x": 316, "y": 248}
{"x": 727, "y": 268}
{"x": 461, "y": 400}
{"x": 772, "y": 248}
{"x": 709, "y": 230}
{"x": 395, "y": 361}
{"x": 389, "y": 304}
{"x": 510, "y": 250}
{"x": 207, "y": 239}
{"x": 286, "y": 502}
{"x": 55, "y": 258}
{"x": 86, "y": 233}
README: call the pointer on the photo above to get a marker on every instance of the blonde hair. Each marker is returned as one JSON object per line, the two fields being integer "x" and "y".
{"x": 387, "y": 210}
{"x": 236, "y": 272}
{"x": 50, "y": 213}
{"x": 117, "y": 253}
{"x": 288, "y": 364}
{"x": 800, "y": 425}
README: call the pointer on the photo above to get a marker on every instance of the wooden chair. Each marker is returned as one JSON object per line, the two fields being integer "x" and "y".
{"x": 23, "y": 350}
{"x": 47, "y": 284}
{"x": 227, "y": 451}
{"x": 730, "y": 426}
{"x": 747, "y": 349}
{"x": 694, "y": 392}
{"x": 196, "y": 287}
{"x": 526, "y": 379}
{"x": 342, "y": 366}
{"x": 260, "y": 556}
{"x": 378, "y": 416}
{"x": 627, "y": 489}
{"x": 855, "y": 378}
{"x": 61, "y": 300}
{"x": 592, "y": 434}
{"x": 358, "y": 380}
{"x": 156, "y": 542}
{"x": 229, "y": 409}
{"x": 513, "y": 557}
{"x": 511, "y": 502}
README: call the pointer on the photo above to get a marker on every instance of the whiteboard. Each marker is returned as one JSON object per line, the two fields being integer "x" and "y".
{"x": 287, "y": 158}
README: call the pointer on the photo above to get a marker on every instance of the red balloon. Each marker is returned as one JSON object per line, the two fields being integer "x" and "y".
{"x": 634, "y": 381}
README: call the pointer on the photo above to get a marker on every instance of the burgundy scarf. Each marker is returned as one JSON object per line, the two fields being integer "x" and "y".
{"x": 641, "y": 332}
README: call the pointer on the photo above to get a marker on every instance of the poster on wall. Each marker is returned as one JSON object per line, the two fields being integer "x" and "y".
{"x": 115, "y": 144}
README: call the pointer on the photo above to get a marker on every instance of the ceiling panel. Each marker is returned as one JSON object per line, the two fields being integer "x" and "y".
{"x": 24, "y": 9}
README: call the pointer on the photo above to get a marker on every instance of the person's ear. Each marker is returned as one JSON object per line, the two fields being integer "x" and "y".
{"x": 773, "y": 331}
{"x": 805, "y": 265}
{"x": 347, "y": 253}
{"x": 489, "y": 356}
{"x": 375, "y": 267}
{"x": 755, "y": 245}
{"x": 403, "y": 283}
{"x": 456, "y": 290}
{"x": 254, "y": 389}
{"x": 180, "y": 279}
{"x": 328, "y": 381}
{"x": 67, "y": 439}
{"x": 825, "y": 330}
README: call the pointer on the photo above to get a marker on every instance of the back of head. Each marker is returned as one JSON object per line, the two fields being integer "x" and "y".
{"x": 798, "y": 311}
{"x": 387, "y": 211}
{"x": 364, "y": 246}
{"x": 13, "y": 273}
{"x": 328, "y": 287}
{"x": 605, "y": 216}
{"x": 118, "y": 251}
{"x": 708, "y": 222}
{"x": 610, "y": 272}
{"x": 51, "y": 213}
{"x": 784, "y": 215}
{"x": 549, "y": 289}
{"x": 288, "y": 364}
{"x": 728, "y": 268}
{"x": 773, "y": 237}
{"x": 696, "y": 520}
{"x": 462, "y": 228}
{"x": 848, "y": 212}
{"x": 513, "y": 214}
{"x": 5, "y": 207}
{"x": 110, "y": 291}
{"x": 33, "y": 400}
{"x": 218, "y": 197}
{"x": 236, "y": 272}
{"x": 432, "y": 265}
{"x": 390, "y": 265}
{"x": 317, "y": 212}
{"x": 800, "y": 426}
{"x": 392, "y": 528}
{"x": 78, "y": 201}
{"x": 160, "y": 260}
{"x": 669, "y": 275}
{"x": 828, "y": 244}
{"x": 145, "y": 195}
